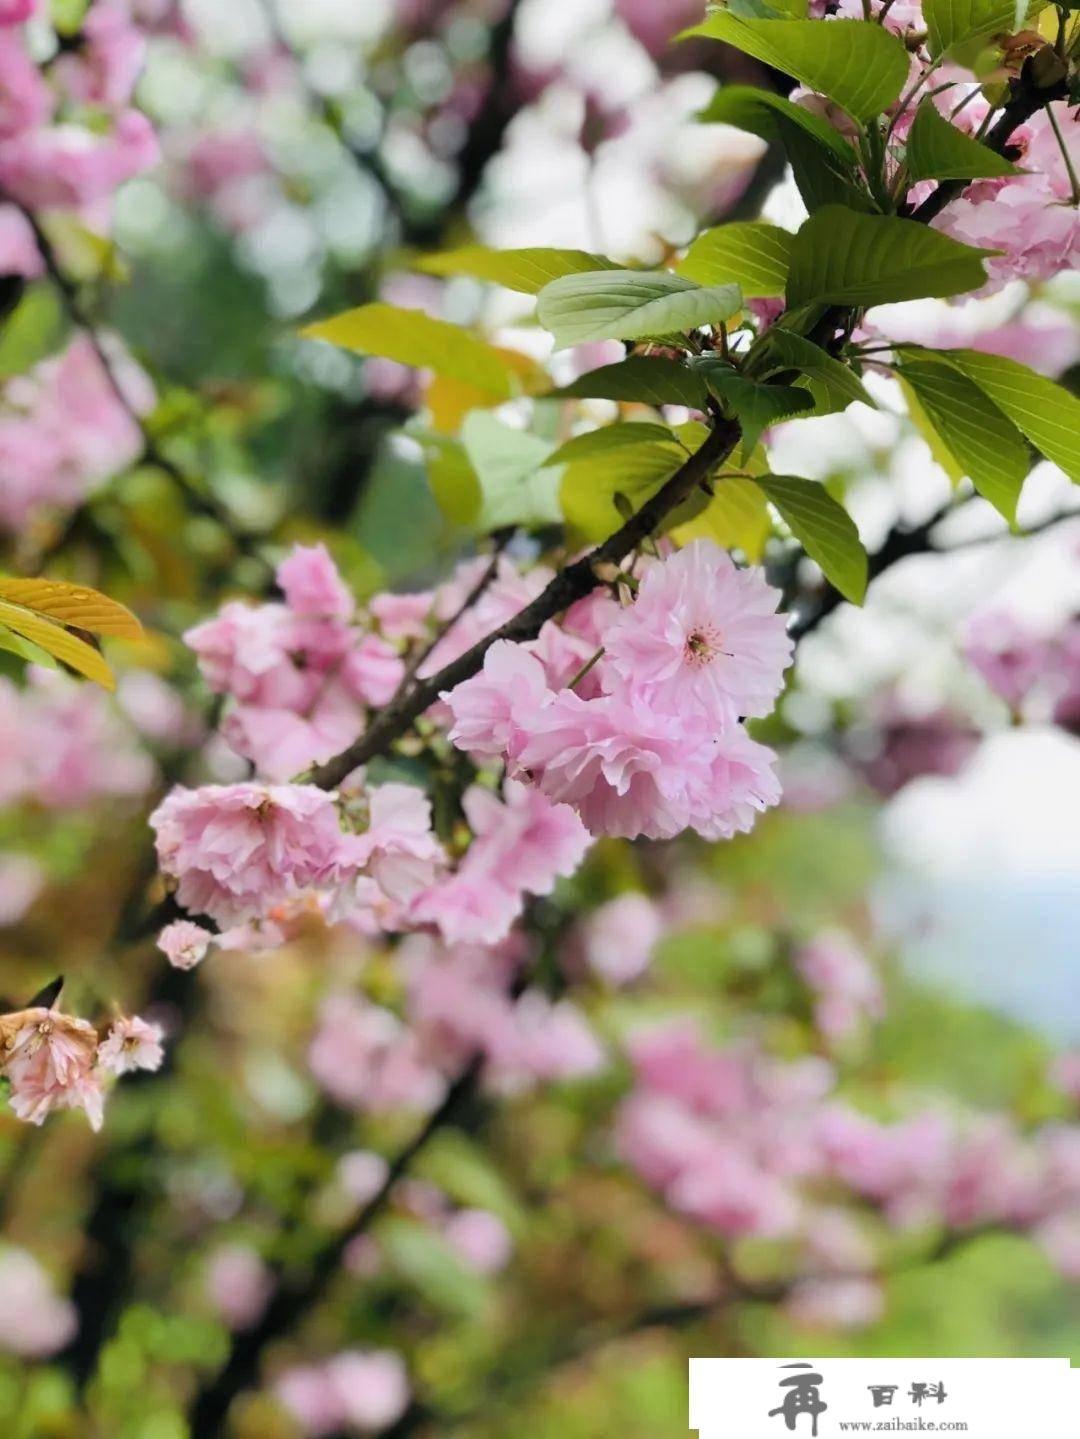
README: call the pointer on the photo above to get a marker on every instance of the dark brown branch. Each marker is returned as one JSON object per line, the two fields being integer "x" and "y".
{"x": 293, "y": 1301}
{"x": 568, "y": 586}
{"x": 1026, "y": 100}
{"x": 152, "y": 453}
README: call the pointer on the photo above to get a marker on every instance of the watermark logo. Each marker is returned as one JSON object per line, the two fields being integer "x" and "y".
{"x": 980, "y": 1398}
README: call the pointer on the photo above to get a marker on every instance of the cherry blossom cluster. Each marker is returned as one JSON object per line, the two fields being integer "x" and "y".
{"x": 67, "y": 747}
{"x": 846, "y": 989}
{"x": 746, "y": 1145}
{"x": 459, "y": 1004}
{"x": 64, "y": 430}
{"x": 1032, "y": 219}
{"x": 69, "y": 133}
{"x": 1033, "y": 672}
{"x": 617, "y": 720}
{"x": 69, "y": 138}
{"x": 64, "y": 745}
{"x": 257, "y": 859}
{"x": 649, "y": 739}
{"x": 53, "y": 1060}
{"x": 356, "y": 1390}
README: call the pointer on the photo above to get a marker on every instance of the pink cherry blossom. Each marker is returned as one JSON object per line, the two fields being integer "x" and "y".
{"x": 363, "y": 1056}
{"x": 845, "y": 986}
{"x": 632, "y": 770}
{"x": 402, "y": 617}
{"x": 63, "y": 430}
{"x": 68, "y": 747}
{"x": 22, "y": 880}
{"x": 851, "y": 1303}
{"x": 109, "y": 59}
{"x": 1029, "y": 217}
{"x": 19, "y": 253}
{"x": 25, "y": 100}
{"x": 301, "y": 673}
{"x": 480, "y": 1238}
{"x": 702, "y": 635}
{"x": 34, "y": 1321}
{"x": 399, "y": 849}
{"x": 238, "y": 850}
{"x": 512, "y": 683}
{"x": 1010, "y": 658}
{"x": 374, "y": 1388}
{"x": 364, "y": 1390}
{"x": 49, "y": 1059}
{"x": 362, "y": 1174}
{"x": 16, "y": 12}
{"x": 312, "y": 585}
{"x": 185, "y": 944}
{"x": 131, "y": 1044}
{"x": 618, "y": 938}
{"x": 522, "y": 845}
{"x": 541, "y": 1042}
{"x": 239, "y": 1284}
{"x": 509, "y": 592}
{"x": 656, "y": 25}
{"x": 68, "y": 166}
{"x": 1059, "y": 1239}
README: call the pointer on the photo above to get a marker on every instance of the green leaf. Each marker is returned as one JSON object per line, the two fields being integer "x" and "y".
{"x": 737, "y": 515}
{"x": 825, "y": 166}
{"x": 752, "y": 255}
{"x": 32, "y": 331}
{"x": 421, "y": 1255}
{"x": 756, "y": 406}
{"x": 937, "y": 150}
{"x": 515, "y": 486}
{"x": 525, "y": 270}
{"x": 954, "y": 22}
{"x": 648, "y": 379}
{"x": 841, "y": 258}
{"x": 987, "y": 446}
{"x": 941, "y": 453}
{"x": 823, "y": 528}
{"x": 631, "y": 305}
{"x": 613, "y": 438}
{"x": 1045, "y": 412}
{"x": 413, "y": 338}
{"x": 589, "y": 486}
{"x": 453, "y": 480}
{"x": 832, "y": 384}
{"x": 860, "y": 65}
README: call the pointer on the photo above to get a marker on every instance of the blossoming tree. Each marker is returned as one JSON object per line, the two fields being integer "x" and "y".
{"x": 480, "y": 811}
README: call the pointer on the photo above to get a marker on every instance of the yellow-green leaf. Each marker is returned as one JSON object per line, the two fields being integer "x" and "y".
{"x": 1045, "y": 412}
{"x": 937, "y": 150}
{"x": 750, "y": 254}
{"x": 527, "y": 271}
{"x": 413, "y": 338}
{"x": 58, "y": 642}
{"x": 75, "y": 605}
{"x": 631, "y": 305}
{"x": 824, "y": 529}
{"x": 737, "y": 517}
{"x": 860, "y": 65}
{"x": 843, "y": 258}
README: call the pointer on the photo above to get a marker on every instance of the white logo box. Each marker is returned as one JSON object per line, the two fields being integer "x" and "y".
{"x": 979, "y": 1398}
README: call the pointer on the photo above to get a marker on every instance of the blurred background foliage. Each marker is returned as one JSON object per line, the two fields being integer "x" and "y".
{"x": 363, "y": 134}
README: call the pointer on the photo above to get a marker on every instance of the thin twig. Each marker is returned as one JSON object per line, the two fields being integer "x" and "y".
{"x": 152, "y": 453}
{"x": 569, "y": 585}
{"x": 293, "y": 1301}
